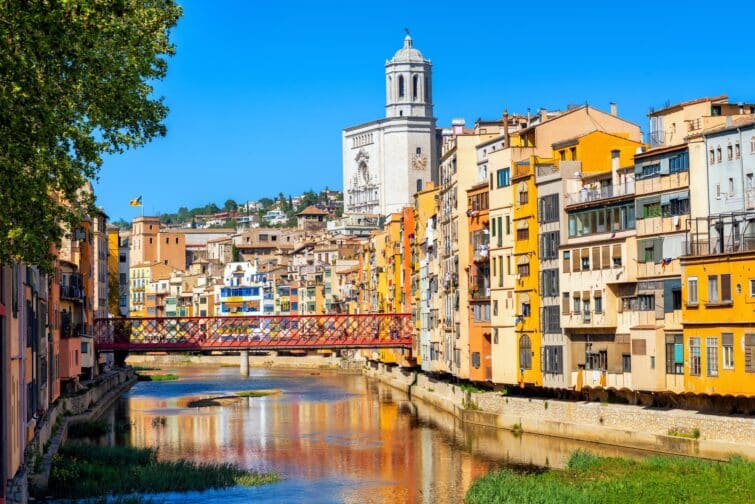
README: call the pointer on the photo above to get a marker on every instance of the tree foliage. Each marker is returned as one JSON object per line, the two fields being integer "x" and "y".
{"x": 75, "y": 84}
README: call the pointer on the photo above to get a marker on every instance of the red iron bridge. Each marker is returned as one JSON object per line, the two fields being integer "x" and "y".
{"x": 263, "y": 332}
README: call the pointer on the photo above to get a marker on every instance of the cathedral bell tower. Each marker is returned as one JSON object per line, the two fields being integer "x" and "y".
{"x": 408, "y": 83}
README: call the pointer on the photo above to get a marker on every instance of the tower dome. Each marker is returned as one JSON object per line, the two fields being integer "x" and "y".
{"x": 408, "y": 83}
{"x": 408, "y": 53}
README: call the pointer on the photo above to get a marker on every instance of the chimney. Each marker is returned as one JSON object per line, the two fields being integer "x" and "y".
{"x": 613, "y": 109}
{"x": 543, "y": 114}
{"x": 528, "y": 117}
{"x": 506, "y": 136}
{"x": 741, "y": 108}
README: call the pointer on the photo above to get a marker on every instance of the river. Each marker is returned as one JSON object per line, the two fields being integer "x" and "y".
{"x": 333, "y": 437}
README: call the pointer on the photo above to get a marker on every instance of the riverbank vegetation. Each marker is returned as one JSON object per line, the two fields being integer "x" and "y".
{"x": 156, "y": 377}
{"x": 88, "y": 429}
{"x": 204, "y": 402}
{"x": 589, "y": 478}
{"x": 85, "y": 470}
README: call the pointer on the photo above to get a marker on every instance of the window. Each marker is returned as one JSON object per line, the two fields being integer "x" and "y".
{"x": 731, "y": 187}
{"x": 122, "y": 258}
{"x": 713, "y": 289}
{"x": 729, "y": 152}
{"x": 616, "y": 259}
{"x": 400, "y": 86}
{"x": 551, "y": 320}
{"x": 565, "y": 303}
{"x": 626, "y": 363}
{"x": 750, "y": 352}
{"x": 727, "y": 346}
{"x": 495, "y": 307}
{"x": 549, "y": 282}
{"x": 650, "y": 170}
{"x": 711, "y": 156}
{"x": 692, "y": 290}
{"x": 752, "y": 287}
{"x": 718, "y": 155}
{"x": 602, "y": 220}
{"x": 598, "y": 305}
{"x": 523, "y": 197}
{"x": 500, "y": 231}
{"x": 552, "y": 359}
{"x": 595, "y": 360}
{"x": 737, "y": 151}
{"x": 415, "y": 86}
{"x": 525, "y": 352}
{"x": 577, "y": 303}
{"x": 549, "y": 245}
{"x": 726, "y": 288}
{"x": 524, "y": 270}
{"x": 548, "y": 206}
{"x": 567, "y": 261}
{"x": 679, "y": 163}
{"x": 503, "y": 177}
{"x": 585, "y": 262}
{"x": 526, "y": 310}
{"x": 522, "y": 234}
{"x": 674, "y": 354}
{"x": 711, "y": 355}
{"x": 694, "y": 356}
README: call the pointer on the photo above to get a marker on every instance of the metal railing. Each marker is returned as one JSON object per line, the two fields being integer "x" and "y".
{"x": 587, "y": 194}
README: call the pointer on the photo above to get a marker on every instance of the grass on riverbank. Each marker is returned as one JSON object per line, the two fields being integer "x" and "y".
{"x": 589, "y": 478}
{"x": 83, "y": 470}
{"x": 156, "y": 377}
{"x": 204, "y": 402}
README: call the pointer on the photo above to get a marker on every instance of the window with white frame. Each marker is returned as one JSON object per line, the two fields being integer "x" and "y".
{"x": 727, "y": 353}
{"x": 711, "y": 355}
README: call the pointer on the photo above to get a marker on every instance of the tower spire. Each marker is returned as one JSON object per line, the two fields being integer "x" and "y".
{"x": 407, "y": 39}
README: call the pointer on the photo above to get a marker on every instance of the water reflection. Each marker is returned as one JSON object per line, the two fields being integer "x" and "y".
{"x": 334, "y": 437}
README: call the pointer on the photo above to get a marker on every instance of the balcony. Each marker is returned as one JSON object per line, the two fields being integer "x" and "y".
{"x": 72, "y": 292}
{"x": 588, "y": 319}
{"x": 522, "y": 170}
{"x": 658, "y": 183}
{"x": 545, "y": 170}
{"x": 587, "y": 195}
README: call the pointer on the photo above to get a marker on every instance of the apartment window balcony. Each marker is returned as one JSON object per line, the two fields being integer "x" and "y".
{"x": 589, "y": 194}
{"x": 71, "y": 292}
{"x": 750, "y": 199}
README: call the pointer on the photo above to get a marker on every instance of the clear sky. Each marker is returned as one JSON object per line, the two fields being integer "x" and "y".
{"x": 260, "y": 91}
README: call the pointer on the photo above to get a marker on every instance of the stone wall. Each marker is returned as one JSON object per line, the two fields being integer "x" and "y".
{"x": 258, "y": 361}
{"x": 627, "y": 426}
{"x": 51, "y": 432}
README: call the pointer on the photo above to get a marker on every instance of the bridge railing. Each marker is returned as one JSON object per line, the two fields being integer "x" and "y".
{"x": 320, "y": 331}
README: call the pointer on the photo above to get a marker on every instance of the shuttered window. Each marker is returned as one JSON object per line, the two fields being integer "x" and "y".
{"x": 639, "y": 347}
{"x": 596, "y": 258}
{"x": 567, "y": 261}
{"x": 605, "y": 256}
{"x": 726, "y": 288}
{"x": 750, "y": 352}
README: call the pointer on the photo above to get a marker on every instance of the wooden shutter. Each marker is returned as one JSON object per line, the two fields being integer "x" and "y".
{"x": 606, "y": 256}
{"x": 638, "y": 347}
{"x": 565, "y": 304}
{"x": 575, "y": 261}
{"x": 596, "y": 258}
{"x": 566, "y": 261}
{"x": 749, "y": 351}
{"x": 725, "y": 288}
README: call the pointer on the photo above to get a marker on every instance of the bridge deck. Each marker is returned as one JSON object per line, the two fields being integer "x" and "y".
{"x": 264, "y": 332}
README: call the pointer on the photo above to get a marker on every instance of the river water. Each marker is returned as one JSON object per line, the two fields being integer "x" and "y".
{"x": 333, "y": 437}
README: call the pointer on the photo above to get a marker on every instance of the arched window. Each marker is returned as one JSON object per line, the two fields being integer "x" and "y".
{"x": 525, "y": 352}
{"x": 415, "y": 86}
{"x": 400, "y": 86}
{"x": 390, "y": 87}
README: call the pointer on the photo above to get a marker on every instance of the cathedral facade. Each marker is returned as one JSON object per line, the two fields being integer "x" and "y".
{"x": 386, "y": 161}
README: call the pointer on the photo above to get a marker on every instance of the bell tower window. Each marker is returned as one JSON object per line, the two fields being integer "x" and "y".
{"x": 415, "y": 86}
{"x": 400, "y": 86}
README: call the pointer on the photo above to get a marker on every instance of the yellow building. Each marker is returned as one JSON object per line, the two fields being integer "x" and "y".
{"x": 527, "y": 300}
{"x": 717, "y": 351}
{"x": 140, "y": 276}
{"x": 425, "y": 278}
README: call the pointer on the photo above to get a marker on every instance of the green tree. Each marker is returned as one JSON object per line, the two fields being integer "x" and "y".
{"x": 266, "y": 203}
{"x": 230, "y": 205}
{"x": 76, "y": 81}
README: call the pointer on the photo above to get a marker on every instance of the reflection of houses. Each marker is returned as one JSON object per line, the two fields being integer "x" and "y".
{"x": 72, "y": 322}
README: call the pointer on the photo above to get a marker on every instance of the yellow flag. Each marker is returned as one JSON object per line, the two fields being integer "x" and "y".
{"x": 136, "y": 201}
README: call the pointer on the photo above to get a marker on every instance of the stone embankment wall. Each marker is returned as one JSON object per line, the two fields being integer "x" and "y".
{"x": 720, "y": 436}
{"x": 52, "y": 431}
{"x": 258, "y": 361}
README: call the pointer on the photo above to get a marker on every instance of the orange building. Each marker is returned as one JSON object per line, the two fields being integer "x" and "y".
{"x": 480, "y": 368}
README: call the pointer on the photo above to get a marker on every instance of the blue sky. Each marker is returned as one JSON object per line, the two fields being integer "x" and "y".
{"x": 260, "y": 91}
